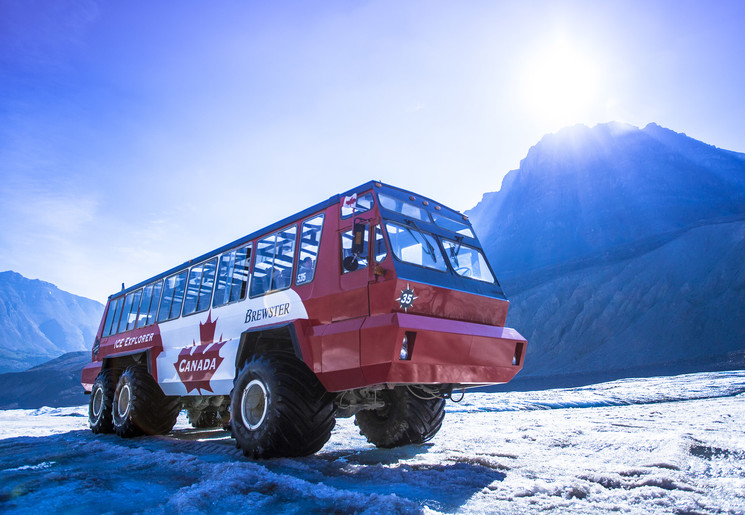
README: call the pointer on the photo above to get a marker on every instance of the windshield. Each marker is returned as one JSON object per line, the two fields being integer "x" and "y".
{"x": 453, "y": 225}
{"x": 411, "y": 245}
{"x": 406, "y": 209}
{"x": 467, "y": 261}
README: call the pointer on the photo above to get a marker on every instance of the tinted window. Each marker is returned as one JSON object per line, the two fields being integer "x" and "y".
{"x": 310, "y": 239}
{"x": 453, "y": 225}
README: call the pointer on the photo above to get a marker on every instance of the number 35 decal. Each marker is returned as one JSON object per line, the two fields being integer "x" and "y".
{"x": 406, "y": 299}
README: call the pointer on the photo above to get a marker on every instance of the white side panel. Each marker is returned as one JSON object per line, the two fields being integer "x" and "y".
{"x": 199, "y": 350}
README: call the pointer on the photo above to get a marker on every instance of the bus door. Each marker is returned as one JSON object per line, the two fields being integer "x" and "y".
{"x": 355, "y": 273}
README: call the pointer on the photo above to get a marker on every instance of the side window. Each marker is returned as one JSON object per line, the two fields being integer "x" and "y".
{"x": 110, "y": 315}
{"x": 239, "y": 283}
{"x": 149, "y": 304}
{"x": 173, "y": 296}
{"x": 232, "y": 276}
{"x": 199, "y": 289}
{"x": 157, "y": 289}
{"x": 128, "y": 300}
{"x": 310, "y": 239}
{"x": 380, "y": 250}
{"x": 132, "y": 319}
{"x": 117, "y": 315}
{"x": 274, "y": 260}
{"x": 355, "y": 204}
{"x": 262, "y": 274}
{"x": 350, "y": 260}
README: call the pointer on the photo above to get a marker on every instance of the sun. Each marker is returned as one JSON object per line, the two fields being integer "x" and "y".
{"x": 560, "y": 85}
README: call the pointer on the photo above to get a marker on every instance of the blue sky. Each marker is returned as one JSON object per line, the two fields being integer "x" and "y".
{"x": 136, "y": 135}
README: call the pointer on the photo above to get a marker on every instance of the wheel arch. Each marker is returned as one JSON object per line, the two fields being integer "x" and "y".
{"x": 121, "y": 361}
{"x": 274, "y": 338}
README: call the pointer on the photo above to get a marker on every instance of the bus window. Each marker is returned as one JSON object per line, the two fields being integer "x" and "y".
{"x": 274, "y": 260}
{"x": 356, "y": 206}
{"x": 239, "y": 285}
{"x": 132, "y": 318}
{"x": 157, "y": 290}
{"x": 380, "y": 250}
{"x": 125, "y": 312}
{"x": 149, "y": 304}
{"x": 350, "y": 261}
{"x": 117, "y": 315}
{"x": 173, "y": 295}
{"x": 310, "y": 239}
{"x": 232, "y": 276}
{"x": 199, "y": 289}
{"x": 113, "y": 308}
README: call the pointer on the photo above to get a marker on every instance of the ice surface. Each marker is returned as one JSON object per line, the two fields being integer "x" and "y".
{"x": 655, "y": 445}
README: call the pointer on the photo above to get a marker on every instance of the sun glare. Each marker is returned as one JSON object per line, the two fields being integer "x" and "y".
{"x": 560, "y": 85}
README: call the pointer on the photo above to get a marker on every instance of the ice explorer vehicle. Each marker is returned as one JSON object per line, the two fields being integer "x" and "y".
{"x": 377, "y": 303}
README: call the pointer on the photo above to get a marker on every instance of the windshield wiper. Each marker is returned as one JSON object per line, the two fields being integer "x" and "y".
{"x": 430, "y": 250}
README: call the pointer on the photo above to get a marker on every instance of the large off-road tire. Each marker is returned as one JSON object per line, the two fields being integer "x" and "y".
{"x": 208, "y": 417}
{"x": 140, "y": 407}
{"x": 102, "y": 398}
{"x": 405, "y": 419}
{"x": 278, "y": 408}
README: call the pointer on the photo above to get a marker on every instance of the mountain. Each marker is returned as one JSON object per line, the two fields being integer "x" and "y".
{"x": 39, "y": 322}
{"x": 622, "y": 250}
{"x": 582, "y": 192}
{"x": 55, "y": 383}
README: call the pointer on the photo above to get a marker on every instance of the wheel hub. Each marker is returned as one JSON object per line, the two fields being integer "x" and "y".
{"x": 122, "y": 404}
{"x": 254, "y": 404}
{"x": 97, "y": 403}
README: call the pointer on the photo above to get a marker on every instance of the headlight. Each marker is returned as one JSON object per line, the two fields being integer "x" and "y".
{"x": 404, "y": 355}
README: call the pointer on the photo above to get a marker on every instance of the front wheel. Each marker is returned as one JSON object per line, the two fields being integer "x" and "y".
{"x": 409, "y": 416}
{"x": 279, "y": 408}
{"x": 140, "y": 407}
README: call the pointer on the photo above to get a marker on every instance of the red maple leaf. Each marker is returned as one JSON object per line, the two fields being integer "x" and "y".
{"x": 207, "y": 330}
{"x": 197, "y": 364}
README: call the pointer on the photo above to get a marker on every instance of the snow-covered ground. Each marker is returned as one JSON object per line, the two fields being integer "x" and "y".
{"x": 656, "y": 445}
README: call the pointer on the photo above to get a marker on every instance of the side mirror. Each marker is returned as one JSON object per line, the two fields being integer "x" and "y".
{"x": 358, "y": 241}
{"x": 350, "y": 263}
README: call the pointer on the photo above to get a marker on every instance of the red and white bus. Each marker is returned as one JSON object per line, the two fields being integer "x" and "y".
{"x": 377, "y": 303}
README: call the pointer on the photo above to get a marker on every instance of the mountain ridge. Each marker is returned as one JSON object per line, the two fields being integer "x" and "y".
{"x": 622, "y": 237}
{"x": 39, "y": 322}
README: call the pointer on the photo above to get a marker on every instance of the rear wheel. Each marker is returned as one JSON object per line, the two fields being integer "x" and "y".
{"x": 140, "y": 407}
{"x": 102, "y": 397}
{"x": 410, "y": 416}
{"x": 278, "y": 408}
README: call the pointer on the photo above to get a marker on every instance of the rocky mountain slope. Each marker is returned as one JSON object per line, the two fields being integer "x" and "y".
{"x": 39, "y": 322}
{"x": 55, "y": 383}
{"x": 622, "y": 251}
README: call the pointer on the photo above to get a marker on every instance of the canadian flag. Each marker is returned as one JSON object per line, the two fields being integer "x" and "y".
{"x": 350, "y": 202}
